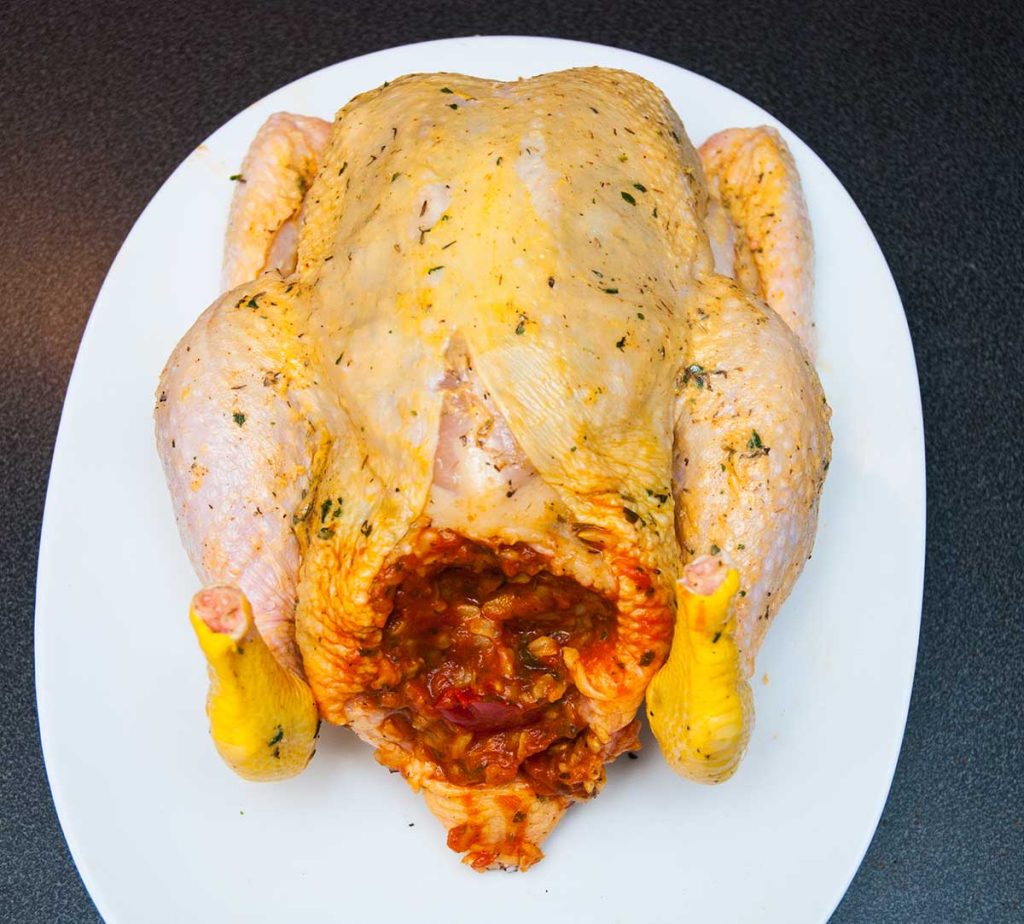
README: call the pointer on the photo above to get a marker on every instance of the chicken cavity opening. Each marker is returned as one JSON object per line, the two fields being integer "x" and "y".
{"x": 476, "y": 636}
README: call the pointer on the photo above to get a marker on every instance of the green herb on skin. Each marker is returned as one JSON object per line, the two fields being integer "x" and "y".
{"x": 700, "y": 376}
{"x": 366, "y": 528}
{"x": 756, "y": 447}
{"x": 453, "y": 105}
{"x": 236, "y": 178}
{"x": 325, "y": 508}
{"x": 640, "y": 186}
{"x": 625, "y": 195}
{"x": 238, "y": 417}
{"x": 620, "y": 344}
{"x": 434, "y": 269}
{"x": 325, "y": 532}
{"x": 277, "y": 737}
{"x": 445, "y": 90}
{"x": 521, "y": 326}
{"x": 646, "y": 658}
{"x": 611, "y": 291}
{"x": 344, "y": 167}
{"x": 715, "y": 550}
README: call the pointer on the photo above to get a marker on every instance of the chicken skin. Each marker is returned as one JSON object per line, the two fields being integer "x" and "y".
{"x": 484, "y": 451}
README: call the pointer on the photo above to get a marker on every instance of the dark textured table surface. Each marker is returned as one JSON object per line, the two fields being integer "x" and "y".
{"x": 916, "y": 109}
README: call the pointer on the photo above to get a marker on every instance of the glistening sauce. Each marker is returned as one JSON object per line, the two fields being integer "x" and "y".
{"x": 476, "y": 637}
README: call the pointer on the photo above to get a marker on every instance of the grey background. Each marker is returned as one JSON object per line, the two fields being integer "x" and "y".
{"x": 917, "y": 108}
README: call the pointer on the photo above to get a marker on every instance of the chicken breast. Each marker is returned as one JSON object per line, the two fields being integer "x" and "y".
{"x": 459, "y": 458}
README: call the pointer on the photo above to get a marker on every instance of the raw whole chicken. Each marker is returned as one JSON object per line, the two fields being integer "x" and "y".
{"x": 492, "y": 435}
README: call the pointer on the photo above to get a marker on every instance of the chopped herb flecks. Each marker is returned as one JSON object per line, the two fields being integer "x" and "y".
{"x": 446, "y": 90}
{"x": 325, "y": 508}
{"x": 236, "y": 178}
{"x": 700, "y": 376}
{"x": 611, "y": 291}
{"x": 628, "y": 198}
{"x": 277, "y": 737}
{"x": 366, "y": 528}
{"x": 434, "y": 269}
{"x": 756, "y": 447}
{"x": 620, "y": 344}
{"x": 640, "y": 186}
{"x": 325, "y": 532}
{"x": 238, "y": 417}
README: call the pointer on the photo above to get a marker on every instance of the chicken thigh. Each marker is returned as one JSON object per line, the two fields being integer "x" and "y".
{"x": 486, "y": 439}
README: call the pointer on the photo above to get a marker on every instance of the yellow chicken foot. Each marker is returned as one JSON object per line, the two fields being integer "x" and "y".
{"x": 699, "y": 704}
{"x": 263, "y": 719}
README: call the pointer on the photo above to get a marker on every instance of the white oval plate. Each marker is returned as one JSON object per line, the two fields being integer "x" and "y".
{"x": 162, "y": 831}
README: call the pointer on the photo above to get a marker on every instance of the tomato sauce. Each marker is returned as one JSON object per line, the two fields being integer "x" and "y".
{"x": 476, "y": 637}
